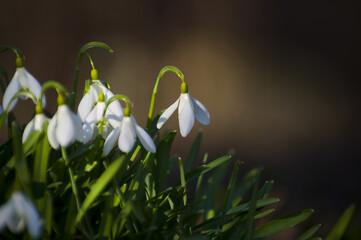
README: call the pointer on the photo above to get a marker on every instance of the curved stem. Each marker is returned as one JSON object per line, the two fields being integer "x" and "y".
{"x": 155, "y": 90}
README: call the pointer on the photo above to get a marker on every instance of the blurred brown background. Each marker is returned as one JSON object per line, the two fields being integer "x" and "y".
{"x": 280, "y": 79}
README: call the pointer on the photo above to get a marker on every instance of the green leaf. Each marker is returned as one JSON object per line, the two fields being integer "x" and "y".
{"x": 21, "y": 167}
{"x": 2, "y": 120}
{"x": 264, "y": 214}
{"x": 204, "y": 169}
{"x": 252, "y": 209}
{"x": 183, "y": 181}
{"x": 161, "y": 161}
{"x": 340, "y": 227}
{"x": 100, "y": 185}
{"x": 282, "y": 224}
{"x": 309, "y": 233}
{"x": 193, "y": 153}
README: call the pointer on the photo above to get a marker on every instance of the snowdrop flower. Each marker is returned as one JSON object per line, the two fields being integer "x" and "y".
{"x": 1, "y": 110}
{"x": 35, "y": 124}
{"x": 65, "y": 127}
{"x": 126, "y": 133}
{"x": 22, "y": 80}
{"x": 96, "y": 115}
{"x": 114, "y": 111}
{"x": 188, "y": 109}
{"x": 19, "y": 213}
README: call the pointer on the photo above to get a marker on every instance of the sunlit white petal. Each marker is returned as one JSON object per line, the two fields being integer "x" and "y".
{"x": 200, "y": 111}
{"x": 51, "y": 132}
{"x": 185, "y": 114}
{"x": 39, "y": 121}
{"x": 167, "y": 113}
{"x": 6, "y": 211}
{"x": 32, "y": 218}
{"x": 85, "y": 106}
{"x": 32, "y": 84}
{"x": 110, "y": 141}
{"x": 28, "y": 130}
{"x": 127, "y": 135}
{"x": 68, "y": 127}
{"x": 144, "y": 138}
{"x": 12, "y": 89}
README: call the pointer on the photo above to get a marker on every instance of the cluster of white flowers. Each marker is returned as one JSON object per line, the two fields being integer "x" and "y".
{"x": 98, "y": 113}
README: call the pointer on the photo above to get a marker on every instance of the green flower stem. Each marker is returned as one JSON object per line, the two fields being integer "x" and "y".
{"x": 155, "y": 90}
{"x": 75, "y": 190}
{"x": 234, "y": 174}
{"x": 52, "y": 84}
{"x": 77, "y": 66}
{"x": 17, "y": 51}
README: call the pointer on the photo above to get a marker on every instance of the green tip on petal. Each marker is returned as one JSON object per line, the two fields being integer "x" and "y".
{"x": 61, "y": 100}
{"x": 94, "y": 74}
{"x": 184, "y": 88}
{"x": 19, "y": 62}
{"x": 126, "y": 112}
{"x": 101, "y": 97}
{"x": 38, "y": 109}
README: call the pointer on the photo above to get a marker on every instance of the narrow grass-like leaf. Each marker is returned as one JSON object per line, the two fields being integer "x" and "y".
{"x": 341, "y": 225}
{"x": 282, "y": 224}
{"x": 3, "y": 117}
{"x": 183, "y": 181}
{"x": 193, "y": 153}
{"x": 252, "y": 209}
{"x": 161, "y": 161}
{"x": 99, "y": 186}
{"x": 264, "y": 214}
{"x": 309, "y": 233}
{"x": 240, "y": 209}
{"x": 229, "y": 188}
{"x": 20, "y": 162}
{"x": 204, "y": 169}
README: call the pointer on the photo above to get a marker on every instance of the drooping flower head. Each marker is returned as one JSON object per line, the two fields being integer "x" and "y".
{"x": 22, "y": 80}
{"x": 188, "y": 109}
{"x": 92, "y": 105}
{"x": 126, "y": 133}
{"x": 19, "y": 213}
{"x": 65, "y": 127}
{"x": 36, "y": 123}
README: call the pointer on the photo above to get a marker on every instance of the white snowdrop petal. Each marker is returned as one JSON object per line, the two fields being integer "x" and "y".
{"x": 5, "y": 213}
{"x": 186, "y": 114}
{"x": 88, "y": 126}
{"x": 127, "y": 135}
{"x": 110, "y": 141}
{"x": 66, "y": 129}
{"x": 34, "y": 86}
{"x": 51, "y": 132}
{"x": 39, "y": 121}
{"x": 85, "y": 106}
{"x": 16, "y": 224}
{"x": 167, "y": 113}
{"x": 200, "y": 111}
{"x": 114, "y": 118}
{"x": 13, "y": 88}
{"x": 107, "y": 128}
{"x": 28, "y": 130}
{"x": 145, "y": 139}
{"x": 32, "y": 218}
{"x": 78, "y": 127}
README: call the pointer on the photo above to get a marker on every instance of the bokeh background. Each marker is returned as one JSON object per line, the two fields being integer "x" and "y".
{"x": 281, "y": 80}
